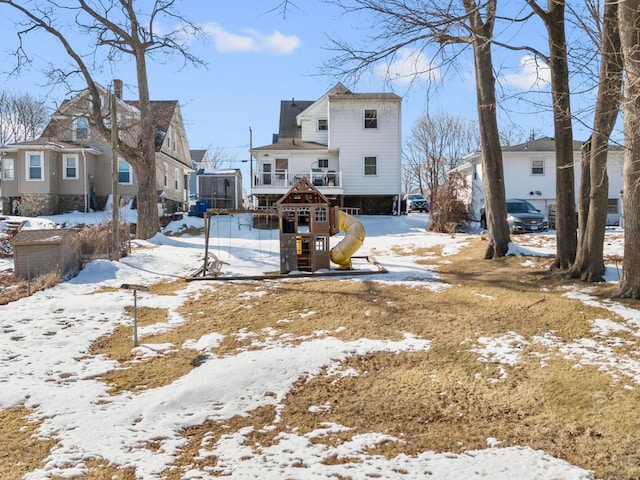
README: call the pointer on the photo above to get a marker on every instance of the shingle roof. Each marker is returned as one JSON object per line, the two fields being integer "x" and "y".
{"x": 542, "y": 144}
{"x": 289, "y": 110}
{"x": 197, "y": 155}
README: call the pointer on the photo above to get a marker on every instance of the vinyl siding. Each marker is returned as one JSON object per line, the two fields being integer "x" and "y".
{"x": 354, "y": 142}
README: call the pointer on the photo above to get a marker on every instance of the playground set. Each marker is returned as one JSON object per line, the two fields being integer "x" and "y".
{"x": 306, "y": 221}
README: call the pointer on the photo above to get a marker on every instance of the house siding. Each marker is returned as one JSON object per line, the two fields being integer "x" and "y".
{"x": 354, "y": 142}
{"x": 539, "y": 190}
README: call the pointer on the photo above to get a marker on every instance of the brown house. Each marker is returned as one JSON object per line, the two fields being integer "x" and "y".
{"x": 69, "y": 167}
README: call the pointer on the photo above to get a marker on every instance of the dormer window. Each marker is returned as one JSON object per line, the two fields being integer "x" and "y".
{"x": 323, "y": 124}
{"x": 81, "y": 128}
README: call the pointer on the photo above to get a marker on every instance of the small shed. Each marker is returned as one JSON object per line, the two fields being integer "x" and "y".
{"x": 36, "y": 252}
{"x": 306, "y": 222}
{"x": 220, "y": 188}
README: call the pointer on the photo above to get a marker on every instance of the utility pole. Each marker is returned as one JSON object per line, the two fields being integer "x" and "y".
{"x": 115, "y": 203}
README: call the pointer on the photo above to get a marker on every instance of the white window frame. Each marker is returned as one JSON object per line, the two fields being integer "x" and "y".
{"x": 176, "y": 182}
{"x": 323, "y": 163}
{"x": 65, "y": 167}
{"x": 537, "y": 164}
{"x": 27, "y": 162}
{"x": 370, "y": 122}
{"x": 121, "y": 171}
{"x": 364, "y": 166}
{"x": 5, "y": 163}
{"x": 165, "y": 174}
{"x": 322, "y": 125}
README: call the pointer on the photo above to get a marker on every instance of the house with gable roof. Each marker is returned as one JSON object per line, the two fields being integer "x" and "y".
{"x": 530, "y": 174}
{"x": 348, "y": 145}
{"x": 69, "y": 166}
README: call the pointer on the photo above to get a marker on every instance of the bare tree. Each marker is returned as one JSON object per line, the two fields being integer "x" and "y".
{"x": 629, "y": 27}
{"x": 116, "y": 28}
{"x": 594, "y": 184}
{"x": 554, "y": 21}
{"x": 22, "y": 117}
{"x": 435, "y": 145}
{"x": 442, "y": 25}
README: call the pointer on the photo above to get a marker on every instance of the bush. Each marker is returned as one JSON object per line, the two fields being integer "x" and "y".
{"x": 448, "y": 213}
{"x": 96, "y": 241}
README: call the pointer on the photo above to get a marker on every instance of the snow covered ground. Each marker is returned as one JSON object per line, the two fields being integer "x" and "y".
{"x": 44, "y": 340}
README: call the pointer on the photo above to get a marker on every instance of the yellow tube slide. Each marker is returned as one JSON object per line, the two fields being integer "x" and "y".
{"x": 354, "y": 236}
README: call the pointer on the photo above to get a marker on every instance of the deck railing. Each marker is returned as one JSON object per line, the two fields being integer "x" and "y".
{"x": 285, "y": 178}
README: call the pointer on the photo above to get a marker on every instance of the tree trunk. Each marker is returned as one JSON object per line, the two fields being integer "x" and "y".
{"x": 148, "y": 221}
{"x": 566, "y": 241}
{"x": 492, "y": 166}
{"x": 594, "y": 189}
{"x": 629, "y": 27}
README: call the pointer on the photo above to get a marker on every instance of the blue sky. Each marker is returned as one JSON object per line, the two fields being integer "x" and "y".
{"x": 256, "y": 57}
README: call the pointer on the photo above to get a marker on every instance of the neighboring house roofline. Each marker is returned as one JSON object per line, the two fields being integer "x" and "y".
{"x": 175, "y": 160}
{"x": 48, "y": 145}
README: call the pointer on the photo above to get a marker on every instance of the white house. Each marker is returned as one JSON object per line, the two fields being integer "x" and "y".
{"x": 347, "y": 144}
{"x": 530, "y": 174}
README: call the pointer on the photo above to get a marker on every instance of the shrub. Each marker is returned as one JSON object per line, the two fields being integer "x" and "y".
{"x": 96, "y": 241}
{"x": 448, "y": 213}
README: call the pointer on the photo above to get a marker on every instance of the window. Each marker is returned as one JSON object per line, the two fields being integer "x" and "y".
{"x": 69, "y": 166}
{"x": 323, "y": 124}
{"x": 35, "y": 166}
{"x": 8, "y": 169}
{"x": 165, "y": 174}
{"x": 322, "y": 244}
{"x": 176, "y": 181}
{"x": 612, "y": 205}
{"x": 370, "y": 119}
{"x": 124, "y": 172}
{"x": 370, "y": 166}
{"x": 323, "y": 163}
{"x": 537, "y": 167}
{"x": 321, "y": 214}
{"x": 80, "y": 128}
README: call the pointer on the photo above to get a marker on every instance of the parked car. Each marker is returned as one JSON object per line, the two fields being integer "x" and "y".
{"x": 522, "y": 217}
{"x": 416, "y": 201}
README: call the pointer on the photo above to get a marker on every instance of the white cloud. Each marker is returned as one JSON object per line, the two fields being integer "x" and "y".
{"x": 532, "y": 74}
{"x": 408, "y": 66}
{"x": 251, "y": 41}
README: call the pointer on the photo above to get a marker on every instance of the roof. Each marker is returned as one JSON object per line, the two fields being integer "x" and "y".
{"x": 45, "y": 143}
{"x": 51, "y": 236}
{"x": 542, "y": 144}
{"x": 302, "y": 186}
{"x": 197, "y": 155}
{"x": 162, "y": 112}
{"x": 289, "y": 110}
{"x": 292, "y": 144}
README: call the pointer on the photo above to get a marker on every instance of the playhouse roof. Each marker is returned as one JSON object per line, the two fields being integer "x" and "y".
{"x": 300, "y": 188}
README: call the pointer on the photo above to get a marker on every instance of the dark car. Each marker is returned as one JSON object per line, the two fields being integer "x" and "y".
{"x": 522, "y": 217}
{"x": 416, "y": 201}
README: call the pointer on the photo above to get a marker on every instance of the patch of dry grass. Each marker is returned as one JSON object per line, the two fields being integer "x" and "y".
{"x": 445, "y": 399}
{"x": 21, "y": 451}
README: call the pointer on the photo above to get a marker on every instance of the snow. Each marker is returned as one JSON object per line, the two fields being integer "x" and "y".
{"x": 44, "y": 341}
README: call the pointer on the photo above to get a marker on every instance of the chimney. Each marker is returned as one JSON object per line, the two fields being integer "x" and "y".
{"x": 117, "y": 88}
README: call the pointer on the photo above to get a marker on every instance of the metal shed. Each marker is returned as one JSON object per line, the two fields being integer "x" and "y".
{"x": 36, "y": 252}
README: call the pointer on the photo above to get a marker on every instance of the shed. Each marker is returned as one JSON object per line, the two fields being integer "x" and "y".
{"x": 220, "y": 188}
{"x": 36, "y": 252}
